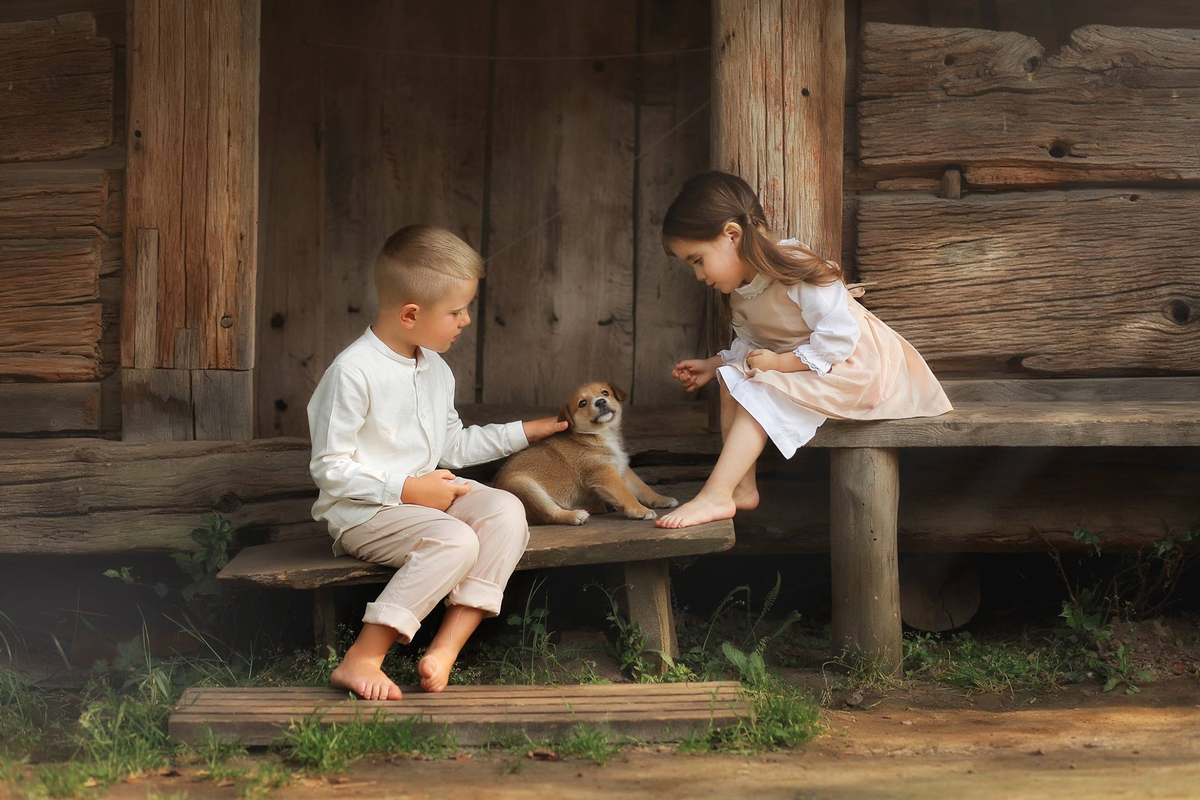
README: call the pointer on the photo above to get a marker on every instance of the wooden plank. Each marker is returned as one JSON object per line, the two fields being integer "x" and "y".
{"x": 41, "y": 272}
{"x": 561, "y": 232}
{"x": 110, "y": 16}
{"x": 310, "y": 563}
{"x": 1105, "y": 297}
{"x": 58, "y": 81}
{"x": 669, "y": 302}
{"x": 405, "y": 143}
{"x": 42, "y": 408}
{"x": 50, "y": 343}
{"x": 936, "y": 96}
{"x": 51, "y": 202}
{"x": 864, "y": 492}
{"x": 473, "y": 714}
{"x": 224, "y": 404}
{"x": 1074, "y": 390}
{"x": 156, "y": 405}
{"x": 291, "y": 306}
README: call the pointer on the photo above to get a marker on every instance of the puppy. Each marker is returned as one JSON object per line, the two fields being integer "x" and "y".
{"x": 584, "y": 470}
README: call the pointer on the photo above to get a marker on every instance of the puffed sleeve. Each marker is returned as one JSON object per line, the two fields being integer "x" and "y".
{"x": 835, "y": 332}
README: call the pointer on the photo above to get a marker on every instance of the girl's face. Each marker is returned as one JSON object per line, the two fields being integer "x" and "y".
{"x": 716, "y": 262}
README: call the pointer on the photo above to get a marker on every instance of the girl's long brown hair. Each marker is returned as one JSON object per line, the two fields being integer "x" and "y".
{"x": 711, "y": 200}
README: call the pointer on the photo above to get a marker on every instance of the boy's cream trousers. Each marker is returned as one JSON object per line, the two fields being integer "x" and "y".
{"x": 465, "y": 554}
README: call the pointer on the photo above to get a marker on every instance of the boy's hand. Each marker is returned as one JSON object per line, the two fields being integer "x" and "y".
{"x": 766, "y": 361}
{"x": 538, "y": 429}
{"x": 694, "y": 373}
{"x": 436, "y": 489}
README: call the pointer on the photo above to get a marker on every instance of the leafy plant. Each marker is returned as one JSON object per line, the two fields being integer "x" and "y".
{"x": 203, "y": 564}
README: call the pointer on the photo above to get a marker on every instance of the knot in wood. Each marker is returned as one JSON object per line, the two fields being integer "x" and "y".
{"x": 226, "y": 321}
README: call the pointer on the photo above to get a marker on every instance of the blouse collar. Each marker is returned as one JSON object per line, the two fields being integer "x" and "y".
{"x": 755, "y": 287}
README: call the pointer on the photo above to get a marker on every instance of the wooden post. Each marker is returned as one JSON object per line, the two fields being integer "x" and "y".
{"x": 864, "y": 488}
{"x": 191, "y": 216}
{"x": 325, "y": 618}
{"x": 648, "y": 597}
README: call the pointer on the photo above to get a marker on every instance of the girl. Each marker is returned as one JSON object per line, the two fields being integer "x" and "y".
{"x": 804, "y": 349}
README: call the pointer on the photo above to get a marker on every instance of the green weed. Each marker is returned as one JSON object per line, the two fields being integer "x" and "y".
{"x": 332, "y": 747}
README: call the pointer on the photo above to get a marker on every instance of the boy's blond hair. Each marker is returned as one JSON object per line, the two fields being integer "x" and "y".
{"x": 420, "y": 264}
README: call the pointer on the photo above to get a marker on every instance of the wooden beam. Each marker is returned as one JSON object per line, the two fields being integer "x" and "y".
{"x": 191, "y": 197}
{"x": 50, "y": 407}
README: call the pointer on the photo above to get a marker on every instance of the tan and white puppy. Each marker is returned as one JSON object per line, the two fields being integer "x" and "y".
{"x": 564, "y": 479}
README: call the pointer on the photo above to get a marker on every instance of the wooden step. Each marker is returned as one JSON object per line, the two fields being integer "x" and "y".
{"x": 603, "y": 539}
{"x": 472, "y": 715}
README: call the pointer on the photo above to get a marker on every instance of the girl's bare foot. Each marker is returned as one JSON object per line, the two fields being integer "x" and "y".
{"x": 698, "y": 511}
{"x": 434, "y": 669}
{"x": 365, "y": 679}
{"x": 745, "y": 496}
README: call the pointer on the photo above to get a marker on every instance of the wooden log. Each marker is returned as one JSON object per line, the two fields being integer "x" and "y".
{"x": 50, "y": 408}
{"x": 49, "y": 272}
{"x": 648, "y": 598}
{"x": 223, "y": 400}
{"x": 938, "y": 591}
{"x": 58, "y": 88}
{"x": 51, "y": 202}
{"x": 670, "y": 303}
{"x": 325, "y": 618}
{"x": 864, "y": 489}
{"x": 50, "y": 343}
{"x": 156, "y": 405}
{"x": 936, "y": 96}
{"x": 561, "y": 227}
{"x": 1106, "y": 297}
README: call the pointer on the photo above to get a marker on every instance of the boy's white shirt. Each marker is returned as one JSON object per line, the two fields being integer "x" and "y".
{"x": 378, "y": 418}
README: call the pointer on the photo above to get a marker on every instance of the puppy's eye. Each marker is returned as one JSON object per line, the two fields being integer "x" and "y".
{"x": 582, "y": 403}
{"x": 604, "y": 392}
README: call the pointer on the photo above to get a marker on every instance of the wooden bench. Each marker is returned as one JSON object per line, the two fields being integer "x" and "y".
{"x": 865, "y": 471}
{"x": 642, "y": 550}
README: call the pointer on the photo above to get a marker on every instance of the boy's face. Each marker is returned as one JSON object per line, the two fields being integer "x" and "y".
{"x": 436, "y": 326}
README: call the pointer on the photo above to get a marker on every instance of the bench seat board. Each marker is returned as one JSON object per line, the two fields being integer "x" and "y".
{"x": 472, "y": 715}
{"x": 310, "y": 563}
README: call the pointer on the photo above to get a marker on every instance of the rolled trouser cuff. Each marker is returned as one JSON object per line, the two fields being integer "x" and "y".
{"x": 477, "y": 593}
{"x": 397, "y": 617}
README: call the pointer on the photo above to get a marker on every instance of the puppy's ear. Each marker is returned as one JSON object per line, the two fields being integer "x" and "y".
{"x": 618, "y": 392}
{"x": 565, "y": 416}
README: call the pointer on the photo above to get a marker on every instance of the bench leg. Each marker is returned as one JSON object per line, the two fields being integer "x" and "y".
{"x": 324, "y": 619}
{"x": 864, "y": 494}
{"x": 648, "y": 594}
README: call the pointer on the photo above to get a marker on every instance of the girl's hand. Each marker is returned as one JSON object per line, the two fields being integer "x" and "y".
{"x": 766, "y": 361}
{"x": 437, "y": 489}
{"x": 694, "y": 373}
{"x": 538, "y": 429}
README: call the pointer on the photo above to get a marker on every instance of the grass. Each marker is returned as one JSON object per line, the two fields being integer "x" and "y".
{"x": 325, "y": 748}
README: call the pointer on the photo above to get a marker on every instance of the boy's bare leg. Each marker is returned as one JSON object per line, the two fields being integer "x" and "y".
{"x": 457, "y": 626}
{"x": 742, "y": 447}
{"x": 745, "y": 494}
{"x": 360, "y": 670}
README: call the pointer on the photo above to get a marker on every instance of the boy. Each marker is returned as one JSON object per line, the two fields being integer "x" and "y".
{"x": 382, "y": 421}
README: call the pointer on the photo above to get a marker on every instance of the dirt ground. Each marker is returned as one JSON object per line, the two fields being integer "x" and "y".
{"x": 929, "y": 743}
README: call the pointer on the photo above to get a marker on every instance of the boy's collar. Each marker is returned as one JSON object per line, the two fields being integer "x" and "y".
{"x": 421, "y": 362}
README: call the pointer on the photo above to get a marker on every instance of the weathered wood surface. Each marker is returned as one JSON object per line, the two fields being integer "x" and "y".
{"x": 669, "y": 302}
{"x": 1113, "y": 98}
{"x": 864, "y": 495}
{"x": 192, "y": 177}
{"x": 604, "y": 539}
{"x": 291, "y": 265}
{"x": 43, "y": 407}
{"x": 223, "y": 402}
{"x": 1108, "y": 296}
{"x": 51, "y": 342}
{"x": 647, "y": 586}
{"x": 561, "y": 227}
{"x": 938, "y": 591}
{"x": 778, "y": 95}
{"x": 991, "y": 501}
{"x": 58, "y": 88}
{"x": 403, "y": 142}
{"x": 472, "y": 714}
{"x": 40, "y": 203}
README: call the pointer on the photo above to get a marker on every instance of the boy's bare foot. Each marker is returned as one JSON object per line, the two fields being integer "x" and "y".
{"x": 745, "y": 496}
{"x": 698, "y": 511}
{"x": 365, "y": 679}
{"x": 434, "y": 669}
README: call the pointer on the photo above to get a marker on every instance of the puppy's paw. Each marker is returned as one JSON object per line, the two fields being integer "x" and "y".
{"x": 577, "y": 517}
{"x": 641, "y": 513}
{"x": 665, "y": 502}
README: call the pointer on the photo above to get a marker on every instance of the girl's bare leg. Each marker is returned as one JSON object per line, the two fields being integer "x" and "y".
{"x": 745, "y": 494}
{"x": 743, "y": 445}
{"x": 360, "y": 670}
{"x": 458, "y": 625}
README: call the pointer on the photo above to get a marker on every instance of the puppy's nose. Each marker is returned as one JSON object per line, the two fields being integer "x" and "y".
{"x": 601, "y": 402}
